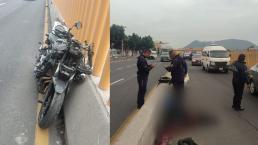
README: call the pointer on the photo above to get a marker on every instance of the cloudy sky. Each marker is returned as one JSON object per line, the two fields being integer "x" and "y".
{"x": 181, "y": 21}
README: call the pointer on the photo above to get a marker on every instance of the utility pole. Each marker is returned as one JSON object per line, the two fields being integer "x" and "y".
{"x": 122, "y": 47}
{"x": 123, "y": 42}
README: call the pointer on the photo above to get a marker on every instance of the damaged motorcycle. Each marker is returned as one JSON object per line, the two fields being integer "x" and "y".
{"x": 61, "y": 62}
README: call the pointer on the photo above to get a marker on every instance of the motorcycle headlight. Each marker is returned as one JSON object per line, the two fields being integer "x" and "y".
{"x": 212, "y": 63}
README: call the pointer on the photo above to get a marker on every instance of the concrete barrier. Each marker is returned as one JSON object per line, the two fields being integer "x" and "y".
{"x": 251, "y": 57}
{"x": 142, "y": 129}
{"x": 54, "y": 13}
{"x": 86, "y": 118}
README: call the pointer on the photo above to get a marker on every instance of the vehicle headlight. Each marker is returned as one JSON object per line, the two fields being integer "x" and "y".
{"x": 212, "y": 63}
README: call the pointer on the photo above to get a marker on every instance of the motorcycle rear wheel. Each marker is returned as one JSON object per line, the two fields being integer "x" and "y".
{"x": 51, "y": 107}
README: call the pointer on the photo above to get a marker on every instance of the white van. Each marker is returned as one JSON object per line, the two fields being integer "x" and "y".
{"x": 215, "y": 57}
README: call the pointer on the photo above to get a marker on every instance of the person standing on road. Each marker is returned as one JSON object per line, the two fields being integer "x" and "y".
{"x": 178, "y": 69}
{"x": 142, "y": 76}
{"x": 239, "y": 80}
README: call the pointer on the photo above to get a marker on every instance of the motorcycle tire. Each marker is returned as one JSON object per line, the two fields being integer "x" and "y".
{"x": 51, "y": 107}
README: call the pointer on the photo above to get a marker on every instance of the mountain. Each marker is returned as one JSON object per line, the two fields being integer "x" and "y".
{"x": 227, "y": 43}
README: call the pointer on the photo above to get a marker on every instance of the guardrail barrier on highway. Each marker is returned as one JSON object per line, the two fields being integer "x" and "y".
{"x": 251, "y": 57}
{"x": 95, "y": 18}
{"x": 93, "y": 96}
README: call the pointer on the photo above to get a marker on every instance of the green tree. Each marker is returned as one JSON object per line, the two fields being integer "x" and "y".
{"x": 117, "y": 35}
{"x": 147, "y": 42}
{"x": 134, "y": 41}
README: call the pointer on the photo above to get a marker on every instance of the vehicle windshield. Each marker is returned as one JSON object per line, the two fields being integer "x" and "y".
{"x": 196, "y": 56}
{"x": 187, "y": 53}
{"x": 164, "y": 50}
{"x": 196, "y": 53}
{"x": 164, "y": 53}
{"x": 219, "y": 54}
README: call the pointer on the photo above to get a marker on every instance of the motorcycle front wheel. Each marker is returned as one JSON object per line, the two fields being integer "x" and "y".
{"x": 50, "y": 107}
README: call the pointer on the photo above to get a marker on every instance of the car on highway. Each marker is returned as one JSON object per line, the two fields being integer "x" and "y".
{"x": 195, "y": 53}
{"x": 215, "y": 57}
{"x": 153, "y": 54}
{"x": 187, "y": 55}
{"x": 114, "y": 53}
{"x": 196, "y": 59}
{"x": 164, "y": 57}
{"x": 253, "y": 79}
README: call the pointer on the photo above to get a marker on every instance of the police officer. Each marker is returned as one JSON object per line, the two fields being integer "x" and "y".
{"x": 178, "y": 69}
{"x": 142, "y": 76}
{"x": 239, "y": 80}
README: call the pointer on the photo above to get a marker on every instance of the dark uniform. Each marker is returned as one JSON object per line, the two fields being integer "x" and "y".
{"x": 178, "y": 71}
{"x": 142, "y": 77}
{"x": 239, "y": 80}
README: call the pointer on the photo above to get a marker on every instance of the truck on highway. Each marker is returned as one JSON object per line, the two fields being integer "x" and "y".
{"x": 215, "y": 57}
{"x": 165, "y": 50}
{"x": 153, "y": 54}
{"x": 164, "y": 56}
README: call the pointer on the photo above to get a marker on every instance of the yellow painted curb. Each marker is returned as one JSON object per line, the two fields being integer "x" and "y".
{"x": 41, "y": 135}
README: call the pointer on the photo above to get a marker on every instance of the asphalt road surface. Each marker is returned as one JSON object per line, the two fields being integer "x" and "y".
{"x": 124, "y": 88}
{"x": 212, "y": 94}
{"x": 206, "y": 93}
{"x": 21, "y": 28}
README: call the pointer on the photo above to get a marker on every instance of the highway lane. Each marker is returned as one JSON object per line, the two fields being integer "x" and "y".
{"x": 209, "y": 93}
{"x": 21, "y": 28}
{"x": 124, "y": 88}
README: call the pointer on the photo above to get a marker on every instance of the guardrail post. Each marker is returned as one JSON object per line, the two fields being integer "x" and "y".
{"x": 100, "y": 25}
{"x": 105, "y": 77}
{"x": 102, "y": 52}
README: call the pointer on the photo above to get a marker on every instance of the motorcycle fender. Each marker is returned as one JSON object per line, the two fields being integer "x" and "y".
{"x": 60, "y": 85}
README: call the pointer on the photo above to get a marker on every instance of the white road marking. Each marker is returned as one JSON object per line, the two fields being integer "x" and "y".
{"x": 2, "y": 4}
{"x": 21, "y": 139}
{"x": 129, "y": 78}
{"x": 132, "y": 65}
{"x": 116, "y": 61}
{"x": 120, "y": 68}
{"x": 117, "y": 81}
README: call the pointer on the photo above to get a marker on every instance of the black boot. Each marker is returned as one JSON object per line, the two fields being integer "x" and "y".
{"x": 239, "y": 109}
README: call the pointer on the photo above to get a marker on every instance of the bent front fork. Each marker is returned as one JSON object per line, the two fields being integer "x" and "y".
{"x": 44, "y": 83}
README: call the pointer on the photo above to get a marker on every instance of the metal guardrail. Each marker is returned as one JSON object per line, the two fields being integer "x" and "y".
{"x": 251, "y": 57}
{"x": 95, "y": 18}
